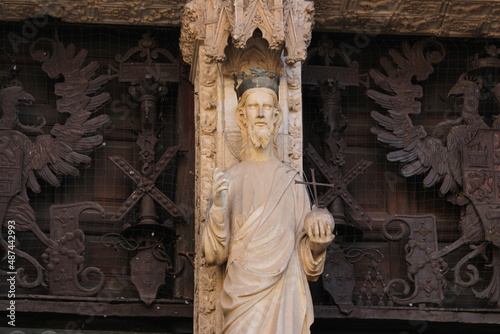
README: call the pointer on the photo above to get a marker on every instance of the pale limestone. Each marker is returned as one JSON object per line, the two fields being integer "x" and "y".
{"x": 261, "y": 230}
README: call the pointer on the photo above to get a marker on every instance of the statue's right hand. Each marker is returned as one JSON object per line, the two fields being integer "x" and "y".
{"x": 219, "y": 189}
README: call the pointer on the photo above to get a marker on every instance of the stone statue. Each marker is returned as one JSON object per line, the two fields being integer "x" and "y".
{"x": 261, "y": 228}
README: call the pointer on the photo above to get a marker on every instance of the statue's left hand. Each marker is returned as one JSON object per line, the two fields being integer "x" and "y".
{"x": 219, "y": 189}
{"x": 319, "y": 225}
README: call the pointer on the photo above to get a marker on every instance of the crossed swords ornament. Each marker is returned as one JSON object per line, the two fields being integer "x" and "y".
{"x": 145, "y": 184}
{"x": 338, "y": 186}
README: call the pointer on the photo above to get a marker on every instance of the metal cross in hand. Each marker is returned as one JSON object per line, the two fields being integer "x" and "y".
{"x": 145, "y": 184}
{"x": 314, "y": 185}
{"x": 338, "y": 186}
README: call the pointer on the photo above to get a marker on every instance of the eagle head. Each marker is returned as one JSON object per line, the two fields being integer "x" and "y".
{"x": 466, "y": 88}
{"x": 10, "y": 97}
{"x": 14, "y": 95}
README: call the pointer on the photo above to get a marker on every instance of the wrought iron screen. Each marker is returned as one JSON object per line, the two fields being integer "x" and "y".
{"x": 400, "y": 134}
{"x": 91, "y": 161}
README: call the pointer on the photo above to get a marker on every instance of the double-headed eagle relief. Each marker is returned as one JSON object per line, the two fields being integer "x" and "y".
{"x": 464, "y": 166}
{"x": 50, "y": 155}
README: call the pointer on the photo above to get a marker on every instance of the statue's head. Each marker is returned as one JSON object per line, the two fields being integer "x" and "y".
{"x": 259, "y": 117}
{"x": 258, "y": 113}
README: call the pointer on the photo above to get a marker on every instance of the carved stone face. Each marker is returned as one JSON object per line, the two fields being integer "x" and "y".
{"x": 260, "y": 115}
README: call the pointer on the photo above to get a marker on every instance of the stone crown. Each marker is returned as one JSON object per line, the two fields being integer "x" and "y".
{"x": 258, "y": 77}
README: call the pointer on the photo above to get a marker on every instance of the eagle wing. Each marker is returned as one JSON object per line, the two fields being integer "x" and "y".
{"x": 80, "y": 97}
{"x": 420, "y": 152}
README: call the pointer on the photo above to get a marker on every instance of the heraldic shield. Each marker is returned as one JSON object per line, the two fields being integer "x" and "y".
{"x": 11, "y": 162}
{"x": 481, "y": 180}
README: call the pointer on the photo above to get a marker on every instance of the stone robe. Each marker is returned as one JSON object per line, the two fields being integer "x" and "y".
{"x": 259, "y": 236}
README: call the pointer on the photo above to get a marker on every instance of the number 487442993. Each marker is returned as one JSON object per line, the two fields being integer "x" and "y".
{"x": 11, "y": 240}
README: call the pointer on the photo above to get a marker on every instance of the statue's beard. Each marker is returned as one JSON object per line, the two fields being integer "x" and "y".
{"x": 260, "y": 136}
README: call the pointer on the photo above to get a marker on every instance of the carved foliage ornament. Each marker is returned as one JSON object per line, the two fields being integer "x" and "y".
{"x": 282, "y": 24}
{"x": 206, "y": 287}
{"x": 426, "y": 17}
{"x": 156, "y": 12}
{"x": 65, "y": 257}
{"x": 426, "y": 273}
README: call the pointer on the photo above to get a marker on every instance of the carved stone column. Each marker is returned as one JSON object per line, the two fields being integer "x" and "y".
{"x": 219, "y": 39}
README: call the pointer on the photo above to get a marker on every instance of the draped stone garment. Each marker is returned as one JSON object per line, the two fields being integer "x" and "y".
{"x": 260, "y": 238}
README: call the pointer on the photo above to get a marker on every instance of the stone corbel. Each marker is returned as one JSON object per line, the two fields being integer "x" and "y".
{"x": 192, "y": 31}
{"x": 299, "y": 20}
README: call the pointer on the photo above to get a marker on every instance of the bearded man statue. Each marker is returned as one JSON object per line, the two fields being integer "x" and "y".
{"x": 261, "y": 228}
